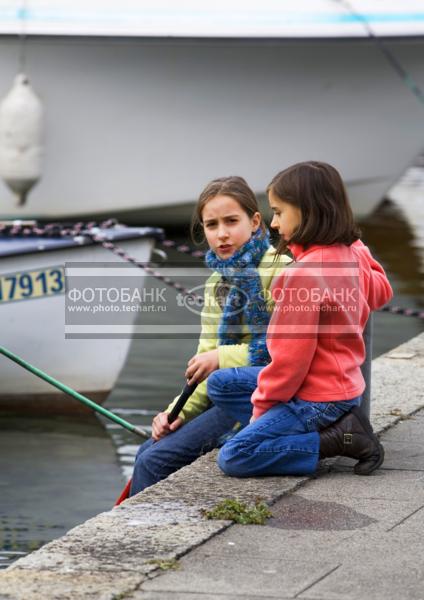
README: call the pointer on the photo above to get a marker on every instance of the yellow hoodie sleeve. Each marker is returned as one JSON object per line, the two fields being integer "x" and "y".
{"x": 236, "y": 355}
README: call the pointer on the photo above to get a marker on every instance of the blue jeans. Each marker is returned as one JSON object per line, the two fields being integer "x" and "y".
{"x": 230, "y": 394}
{"x": 283, "y": 441}
{"x": 231, "y": 390}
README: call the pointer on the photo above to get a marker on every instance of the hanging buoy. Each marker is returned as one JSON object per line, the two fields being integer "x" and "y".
{"x": 21, "y": 126}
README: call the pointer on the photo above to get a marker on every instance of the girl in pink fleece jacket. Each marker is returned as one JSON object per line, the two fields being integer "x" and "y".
{"x": 307, "y": 402}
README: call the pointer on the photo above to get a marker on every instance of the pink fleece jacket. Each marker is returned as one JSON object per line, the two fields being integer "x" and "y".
{"x": 322, "y": 303}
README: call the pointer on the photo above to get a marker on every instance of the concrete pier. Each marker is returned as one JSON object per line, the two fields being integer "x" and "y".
{"x": 334, "y": 536}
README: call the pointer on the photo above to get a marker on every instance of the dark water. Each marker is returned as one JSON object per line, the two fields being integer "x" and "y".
{"x": 55, "y": 474}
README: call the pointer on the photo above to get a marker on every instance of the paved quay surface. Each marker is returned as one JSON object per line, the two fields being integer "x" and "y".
{"x": 336, "y": 536}
{"x": 339, "y": 536}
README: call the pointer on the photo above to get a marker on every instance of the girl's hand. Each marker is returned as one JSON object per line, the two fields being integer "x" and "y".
{"x": 161, "y": 427}
{"x": 202, "y": 365}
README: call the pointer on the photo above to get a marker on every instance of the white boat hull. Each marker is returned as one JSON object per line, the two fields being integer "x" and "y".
{"x": 137, "y": 127}
{"x": 35, "y": 330}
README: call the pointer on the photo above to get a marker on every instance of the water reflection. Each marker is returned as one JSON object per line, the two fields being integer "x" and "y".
{"x": 393, "y": 240}
{"x": 54, "y": 474}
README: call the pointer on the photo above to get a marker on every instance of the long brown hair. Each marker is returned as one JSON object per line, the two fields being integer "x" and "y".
{"x": 317, "y": 189}
{"x": 233, "y": 186}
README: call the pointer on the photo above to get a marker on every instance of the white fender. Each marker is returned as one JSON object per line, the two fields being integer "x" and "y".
{"x": 21, "y": 127}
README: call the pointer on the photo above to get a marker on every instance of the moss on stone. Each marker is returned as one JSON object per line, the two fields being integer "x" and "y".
{"x": 239, "y": 512}
{"x": 165, "y": 565}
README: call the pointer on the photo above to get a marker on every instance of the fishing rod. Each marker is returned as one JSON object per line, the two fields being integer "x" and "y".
{"x": 83, "y": 399}
{"x": 176, "y": 409}
{"x": 182, "y": 399}
{"x": 179, "y": 405}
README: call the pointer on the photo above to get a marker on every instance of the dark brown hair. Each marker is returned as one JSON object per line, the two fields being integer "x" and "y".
{"x": 317, "y": 189}
{"x": 233, "y": 186}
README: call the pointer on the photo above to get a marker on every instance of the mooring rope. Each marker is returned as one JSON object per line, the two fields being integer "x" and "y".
{"x": 407, "y": 312}
{"x": 148, "y": 269}
{"x": 183, "y": 248}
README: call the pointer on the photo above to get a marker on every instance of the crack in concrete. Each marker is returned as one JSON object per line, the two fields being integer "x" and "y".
{"x": 317, "y": 581}
{"x": 405, "y": 519}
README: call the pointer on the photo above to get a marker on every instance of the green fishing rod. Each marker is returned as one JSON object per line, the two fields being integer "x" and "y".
{"x": 64, "y": 388}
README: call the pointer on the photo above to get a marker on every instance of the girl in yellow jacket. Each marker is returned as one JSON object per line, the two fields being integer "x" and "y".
{"x": 235, "y": 316}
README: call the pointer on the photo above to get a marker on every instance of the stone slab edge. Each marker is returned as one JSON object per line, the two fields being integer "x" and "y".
{"x": 110, "y": 556}
{"x": 397, "y": 389}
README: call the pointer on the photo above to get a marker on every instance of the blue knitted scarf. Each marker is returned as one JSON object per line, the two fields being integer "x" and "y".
{"x": 245, "y": 302}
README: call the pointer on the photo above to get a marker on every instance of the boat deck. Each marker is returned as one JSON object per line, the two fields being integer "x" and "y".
{"x": 13, "y": 245}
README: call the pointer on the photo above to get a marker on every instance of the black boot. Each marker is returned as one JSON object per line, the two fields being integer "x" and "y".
{"x": 352, "y": 436}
